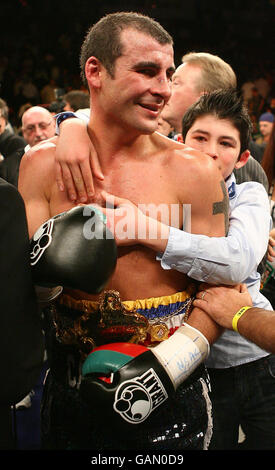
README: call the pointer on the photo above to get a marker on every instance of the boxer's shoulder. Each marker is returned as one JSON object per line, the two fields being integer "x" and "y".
{"x": 181, "y": 156}
{"x": 38, "y": 162}
{"x": 44, "y": 150}
{"x": 189, "y": 168}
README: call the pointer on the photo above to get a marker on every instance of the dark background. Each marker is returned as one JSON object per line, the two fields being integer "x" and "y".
{"x": 41, "y": 39}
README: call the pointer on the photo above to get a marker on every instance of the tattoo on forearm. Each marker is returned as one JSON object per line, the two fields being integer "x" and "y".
{"x": 222, "y": 207}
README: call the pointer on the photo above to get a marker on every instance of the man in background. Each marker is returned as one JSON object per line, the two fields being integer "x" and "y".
{"x": 9, "y": 141}
{"x": 38, "y": 124}
{"x": 266, "y": 121}
{"x": 75, "y": 100}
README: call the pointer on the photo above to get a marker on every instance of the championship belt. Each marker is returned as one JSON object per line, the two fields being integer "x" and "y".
{"x": 117, "y": 324}
{"x": 87, "y": 324}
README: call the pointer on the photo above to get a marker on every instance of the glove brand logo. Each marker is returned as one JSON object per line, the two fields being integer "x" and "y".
{"x": 135, "y": 399}
{"x": 41, "y": 240}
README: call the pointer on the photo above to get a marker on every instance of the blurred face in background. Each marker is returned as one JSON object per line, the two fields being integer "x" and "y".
{"x": 183, "y": 94}
{"x": 37, "y": 124}
{"x": 265, "y": 128}
{"x": 2, "y": 124}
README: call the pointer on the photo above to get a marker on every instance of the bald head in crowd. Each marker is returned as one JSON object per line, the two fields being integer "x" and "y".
{"x": 37, "y": 124}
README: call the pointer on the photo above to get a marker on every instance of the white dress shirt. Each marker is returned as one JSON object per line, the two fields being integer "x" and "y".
{"x": 228, "y": 260}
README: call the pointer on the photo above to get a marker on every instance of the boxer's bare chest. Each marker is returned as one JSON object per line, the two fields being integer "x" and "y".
{"x": 151, "y": 188}
{"x": 148, "y": 186}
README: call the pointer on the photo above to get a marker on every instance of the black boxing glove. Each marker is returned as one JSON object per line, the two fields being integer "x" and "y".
{"x": 127, "y": 382}
{"x": 74, "y": 249}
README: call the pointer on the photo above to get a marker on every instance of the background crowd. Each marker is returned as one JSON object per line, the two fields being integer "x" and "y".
{"x": 39, "y": 54}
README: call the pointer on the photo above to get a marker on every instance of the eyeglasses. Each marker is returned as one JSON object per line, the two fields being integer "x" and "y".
{"x": 42, "y": 126}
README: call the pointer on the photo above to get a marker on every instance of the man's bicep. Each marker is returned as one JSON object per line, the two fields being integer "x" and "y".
{"x": 32, "y": 192}
{"x": 37, "y": 212}
{"x": 210, "y": 210}
{"x": 210, "y": 217}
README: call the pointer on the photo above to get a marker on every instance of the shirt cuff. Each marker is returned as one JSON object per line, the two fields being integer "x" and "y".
{"x": 61, "y": 117}
{"x": 178, "y": 241}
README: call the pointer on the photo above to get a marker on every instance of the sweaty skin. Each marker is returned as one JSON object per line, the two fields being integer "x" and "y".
{"x": 138, "y": 164}
{"x": 174, "y": 167}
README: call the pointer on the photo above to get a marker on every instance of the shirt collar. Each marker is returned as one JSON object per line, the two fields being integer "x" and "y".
{"x": 231, "y": 186}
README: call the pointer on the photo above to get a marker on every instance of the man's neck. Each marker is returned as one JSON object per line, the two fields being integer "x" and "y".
{"x": 113, "y": 143}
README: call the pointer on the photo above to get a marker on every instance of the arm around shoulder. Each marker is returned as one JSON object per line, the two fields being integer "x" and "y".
{"x": 230, "y": 259}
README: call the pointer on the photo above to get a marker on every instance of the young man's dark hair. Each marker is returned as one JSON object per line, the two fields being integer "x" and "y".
{"x": 224, "y": 104}
{"x": 77, "y": 99}
{"x": 103, "y": 38}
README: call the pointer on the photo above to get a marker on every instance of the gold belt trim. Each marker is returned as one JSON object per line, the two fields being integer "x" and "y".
{"x": 91, "y": 306}
{"x": 110, "y": 320}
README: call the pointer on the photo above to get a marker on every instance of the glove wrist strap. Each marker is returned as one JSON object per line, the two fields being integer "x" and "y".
{"x": 181, "y": 354}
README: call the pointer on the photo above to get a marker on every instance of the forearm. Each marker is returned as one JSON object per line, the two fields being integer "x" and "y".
{"x": 67, "y": 116}
{"x": 226, "y": 260}
{"x": 258, "y": 326}
{"x": 213, "y": 259}
{"x": 153, "y": 234}
{"x": 230, "y": 259}
{"x": 204, "y": 323}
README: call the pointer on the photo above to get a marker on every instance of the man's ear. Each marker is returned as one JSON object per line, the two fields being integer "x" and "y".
{"x": 243, "y": 159}
{"x": 93, "y": 69}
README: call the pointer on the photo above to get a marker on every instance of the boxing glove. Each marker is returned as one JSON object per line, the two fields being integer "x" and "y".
{"x": 74, "y": 249}
{"x": 127, "y": 382}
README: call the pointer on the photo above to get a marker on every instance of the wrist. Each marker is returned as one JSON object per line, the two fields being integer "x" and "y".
{"x": 237, "y": 317}
{"x": 61, "y": 117}
{"x": 181, "y": 354}
{"x": 156, "y": 234}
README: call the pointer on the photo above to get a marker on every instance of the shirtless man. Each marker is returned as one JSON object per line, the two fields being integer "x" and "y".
{"x": 129, "y": 85}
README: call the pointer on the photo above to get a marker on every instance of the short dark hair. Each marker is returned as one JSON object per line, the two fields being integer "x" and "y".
{"x": 77, "y": 99}
{"x": 224, "y": 104}
{"x": 103, "y": 38}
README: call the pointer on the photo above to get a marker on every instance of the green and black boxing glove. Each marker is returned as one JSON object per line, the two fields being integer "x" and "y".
{"x": 126, "y": 383}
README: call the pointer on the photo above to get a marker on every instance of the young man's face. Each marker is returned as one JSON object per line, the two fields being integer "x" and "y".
{"x": 136, "y": 95}
{"x": 219, "y": 139}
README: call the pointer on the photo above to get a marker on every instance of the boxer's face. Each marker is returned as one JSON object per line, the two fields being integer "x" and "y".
{"x": 141, "y": 86}
{"x": 219, "y": 139}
